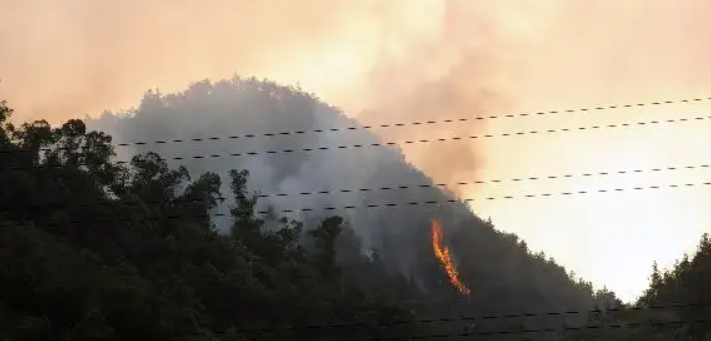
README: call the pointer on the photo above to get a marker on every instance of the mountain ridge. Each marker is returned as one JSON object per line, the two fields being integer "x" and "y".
{"x": 250, "y": 106}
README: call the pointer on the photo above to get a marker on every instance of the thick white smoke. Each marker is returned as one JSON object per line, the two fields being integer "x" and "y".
{"x": 248, "y": 107}
{"x": 383, "y": 61}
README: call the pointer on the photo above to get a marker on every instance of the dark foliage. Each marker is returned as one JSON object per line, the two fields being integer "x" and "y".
{"x": 95, "y": 249}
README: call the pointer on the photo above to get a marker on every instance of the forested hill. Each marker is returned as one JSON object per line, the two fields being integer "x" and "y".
{"x": 233, "y": 116}
{"x": 93, "y": 248}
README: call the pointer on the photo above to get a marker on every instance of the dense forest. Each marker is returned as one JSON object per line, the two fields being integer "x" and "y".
{"x": 155, "y": 240}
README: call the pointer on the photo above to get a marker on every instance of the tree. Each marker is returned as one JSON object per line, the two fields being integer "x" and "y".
{"x": 326, "y": 236}
{"x": 95, "y": 249}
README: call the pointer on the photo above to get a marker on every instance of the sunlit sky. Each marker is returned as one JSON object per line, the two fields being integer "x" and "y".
{"x": 79, "y": 57}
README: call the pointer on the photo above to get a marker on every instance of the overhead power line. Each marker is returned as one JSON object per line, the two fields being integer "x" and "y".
{"x": 406, "y": 124}
{"x": 62, "y": 204}
{"x": 407, "y": 142}
{"x": 492, "y": 181}
{"x": 475, "y": 318}
{"x": 360, "y": 206}
{"x": 523, "y": 331}
{"x": 417, "y": 123}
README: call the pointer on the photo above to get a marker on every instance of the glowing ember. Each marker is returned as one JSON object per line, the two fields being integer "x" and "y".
{"x": 442, "y": 253}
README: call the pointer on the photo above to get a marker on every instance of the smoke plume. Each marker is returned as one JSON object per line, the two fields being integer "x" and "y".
{"x": 382, "y": 61}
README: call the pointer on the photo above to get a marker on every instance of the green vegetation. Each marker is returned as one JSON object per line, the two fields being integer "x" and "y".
{"x": 95, "y": 249}
{"x": 91, "y": 250}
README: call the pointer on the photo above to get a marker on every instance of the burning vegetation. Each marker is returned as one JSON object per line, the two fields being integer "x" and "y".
{"x": 445, "y": 259}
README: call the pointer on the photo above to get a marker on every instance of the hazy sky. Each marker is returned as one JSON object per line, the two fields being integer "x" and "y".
{"x": 390, "y": 61}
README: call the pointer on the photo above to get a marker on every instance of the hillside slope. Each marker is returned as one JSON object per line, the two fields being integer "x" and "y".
{"x": 501, "y": 272}
{"x": 94, "y": 249}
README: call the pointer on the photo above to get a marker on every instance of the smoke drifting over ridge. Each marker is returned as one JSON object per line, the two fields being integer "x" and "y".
{"x": 311, "y": 180}
{"x": 399, "y": 61}
{"x": 383, "y": 61}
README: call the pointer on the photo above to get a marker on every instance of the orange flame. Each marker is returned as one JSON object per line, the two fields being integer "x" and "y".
{"x": 442, "y": 253}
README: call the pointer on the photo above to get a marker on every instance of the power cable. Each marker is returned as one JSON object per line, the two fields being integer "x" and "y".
{"x": 368, "y": 206}
{"x": 471, "y": 318}
{"x": 61, "y": 204}
{"x": 561, "y": 329}
{"x": 445, "y": 139}
{"x": 493, "y": 181}
{"x": 417, "y": 123}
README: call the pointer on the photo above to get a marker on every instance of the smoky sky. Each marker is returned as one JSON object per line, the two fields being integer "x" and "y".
{"x": 383, "y": 61}
{"x": 406, "y": 63}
